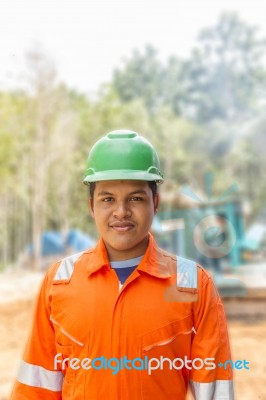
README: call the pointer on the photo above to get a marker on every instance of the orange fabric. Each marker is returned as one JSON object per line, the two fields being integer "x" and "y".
{"x": 87, "y": 316}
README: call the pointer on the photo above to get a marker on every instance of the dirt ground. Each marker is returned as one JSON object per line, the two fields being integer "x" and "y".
{"x": 248, "y": 342}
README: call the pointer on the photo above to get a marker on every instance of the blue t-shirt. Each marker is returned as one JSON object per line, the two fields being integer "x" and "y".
{"x": 125, "y": 268}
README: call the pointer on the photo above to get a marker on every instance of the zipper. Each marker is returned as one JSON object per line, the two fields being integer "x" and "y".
{"x": 166, "y": 341}
{"x": 67, "y": 334}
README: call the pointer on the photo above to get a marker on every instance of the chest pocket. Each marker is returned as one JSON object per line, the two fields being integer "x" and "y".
{"x": 71, "y": 342}
{"x": 67, "y": 332}
{"x": 69, "y": 345}
{"x": 158, "y": 340}
{"x": 165, "y": 348}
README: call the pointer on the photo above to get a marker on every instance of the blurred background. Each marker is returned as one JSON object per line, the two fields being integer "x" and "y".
{"x": 191, "y": 77}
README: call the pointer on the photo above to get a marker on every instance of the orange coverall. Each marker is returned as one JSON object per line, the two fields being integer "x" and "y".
{"x": 167, "y": 309}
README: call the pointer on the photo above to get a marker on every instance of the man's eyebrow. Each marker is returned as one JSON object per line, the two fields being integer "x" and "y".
{"x": 105, "y": 193}
{"x": 139, "y": 191}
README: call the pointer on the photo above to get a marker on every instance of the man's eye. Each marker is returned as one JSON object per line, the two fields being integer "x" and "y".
{"x": 135, "y": 198}
{"x": 107, "y": 199}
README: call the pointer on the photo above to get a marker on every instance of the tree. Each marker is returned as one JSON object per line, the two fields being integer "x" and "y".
{"x": 12, "y": 108}
{"x": 248, "y": 163}
{"x": 51, "y": 143}
{"x": 141, "y": 78}
{"x": 225, "y": 73}
{"x": 37, "y": 145}
{"x": 223, "y": 79}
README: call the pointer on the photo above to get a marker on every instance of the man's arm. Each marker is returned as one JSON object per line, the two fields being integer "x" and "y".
{"x": 210, "y": 342}
{"x": 37, "y": 378}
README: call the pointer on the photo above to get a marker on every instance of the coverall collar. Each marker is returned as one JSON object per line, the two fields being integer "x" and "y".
{"x": 152, "y": 263}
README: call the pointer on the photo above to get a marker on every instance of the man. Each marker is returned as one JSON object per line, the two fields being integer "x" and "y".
{"x": 126, "y": 320}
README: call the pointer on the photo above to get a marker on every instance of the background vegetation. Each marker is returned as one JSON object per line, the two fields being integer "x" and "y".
{"x": 202, "y": 113}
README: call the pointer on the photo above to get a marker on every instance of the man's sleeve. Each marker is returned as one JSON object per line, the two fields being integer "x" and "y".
{"x": 37, "y": 379}
{"x": 210, "y": 342}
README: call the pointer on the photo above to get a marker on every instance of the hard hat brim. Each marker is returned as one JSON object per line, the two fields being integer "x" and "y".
{"x": 122, "y": 175}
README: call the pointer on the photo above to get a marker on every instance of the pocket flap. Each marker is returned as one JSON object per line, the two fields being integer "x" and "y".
{"x": 67, "y": 330}
{"x": 167, "y": 333}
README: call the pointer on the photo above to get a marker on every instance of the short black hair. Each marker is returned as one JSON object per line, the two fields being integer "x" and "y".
{"x": 152, "y": 184}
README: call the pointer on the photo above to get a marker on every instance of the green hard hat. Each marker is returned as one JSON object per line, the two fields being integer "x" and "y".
{"x": 123, "y": 155}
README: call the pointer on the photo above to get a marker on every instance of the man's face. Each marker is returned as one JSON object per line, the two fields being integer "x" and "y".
{"x": 123, "y": 213}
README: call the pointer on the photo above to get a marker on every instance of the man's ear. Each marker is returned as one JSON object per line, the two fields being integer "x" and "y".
{"x": 156, "y": 203}
{"x": 91, "y": 207}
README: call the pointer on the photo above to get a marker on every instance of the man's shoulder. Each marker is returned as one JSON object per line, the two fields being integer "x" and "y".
{"x": 185, "y": 268}
{"x": 176, "y": 260}
{"x": 63, "y": 269}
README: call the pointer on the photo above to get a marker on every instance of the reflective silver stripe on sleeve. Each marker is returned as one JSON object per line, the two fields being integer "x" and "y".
{"x": 33, "y": 375}
{"x": 186, "y": 273}
{"x": 217, "y": 390}
{"x": 66, "y": 267}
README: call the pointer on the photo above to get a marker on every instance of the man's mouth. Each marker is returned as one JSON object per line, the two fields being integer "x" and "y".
{"x": 122, "y": 226}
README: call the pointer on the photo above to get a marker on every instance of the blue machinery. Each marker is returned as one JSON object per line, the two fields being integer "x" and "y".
{"x": 189, "y": 231}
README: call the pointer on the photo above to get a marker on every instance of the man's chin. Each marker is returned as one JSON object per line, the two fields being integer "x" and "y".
{"x": 126, "y": 248}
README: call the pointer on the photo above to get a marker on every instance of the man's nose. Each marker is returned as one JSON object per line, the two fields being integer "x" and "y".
{"x": 122, "y": 210}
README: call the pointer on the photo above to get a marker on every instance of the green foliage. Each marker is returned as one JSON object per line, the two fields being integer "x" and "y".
{"x": 145, "y": 77}
{"x": 202, "y": 114}
{"x": 141, "y": 78}
{"x": 11, "y": 106}
{"x": 225, "y": 72}
{"x": 221, "y": 80}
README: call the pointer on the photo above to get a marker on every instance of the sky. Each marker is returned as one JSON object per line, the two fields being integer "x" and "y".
{"x": 88, "y": 39}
